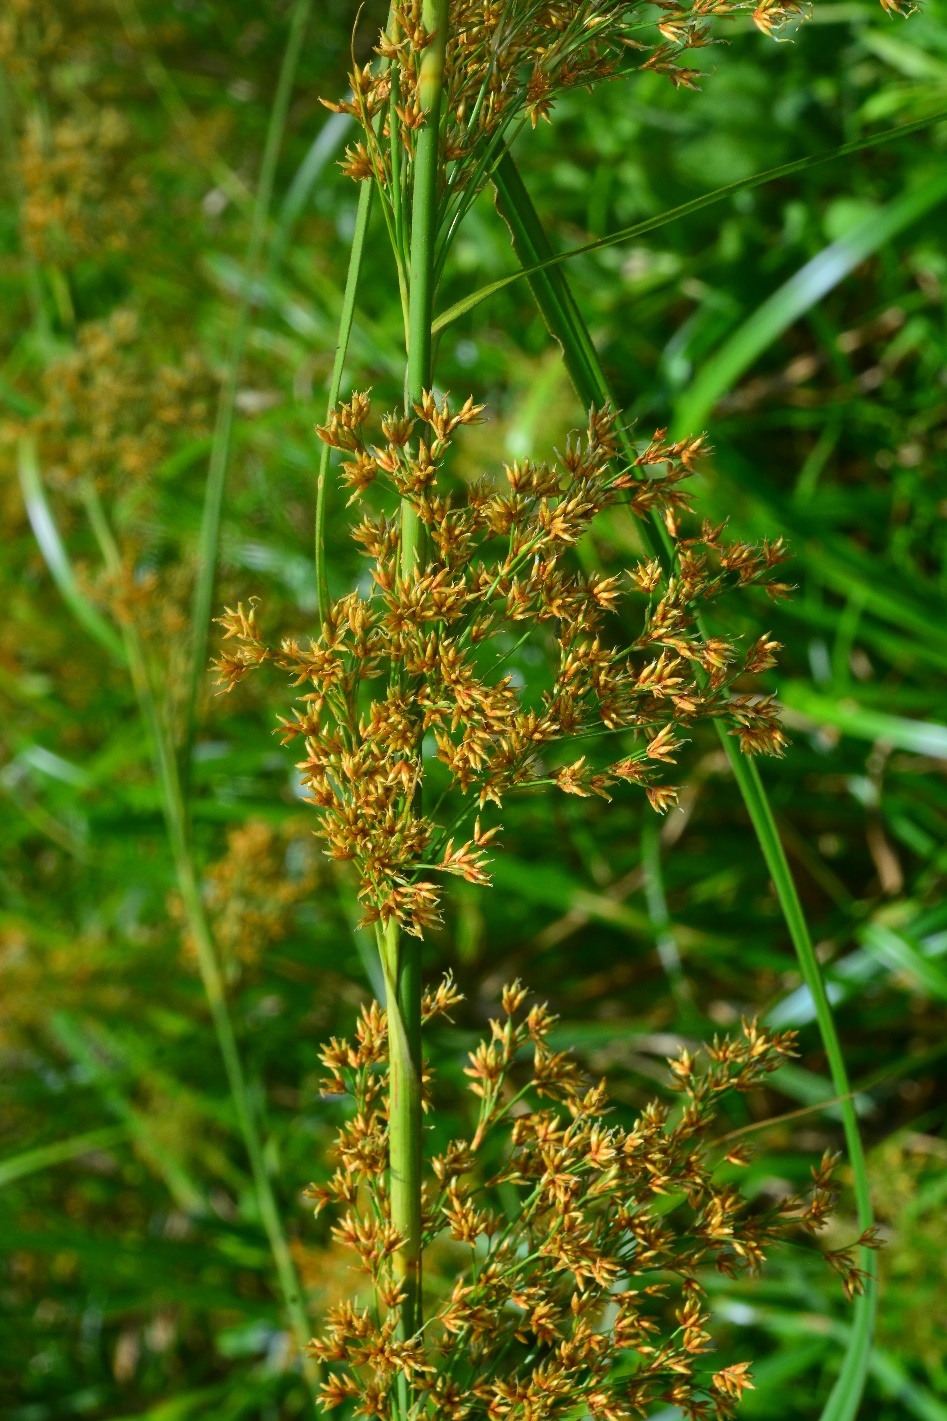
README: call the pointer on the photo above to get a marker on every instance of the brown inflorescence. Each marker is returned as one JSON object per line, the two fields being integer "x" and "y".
{"x": 506, "y": 63}
{"x": 412, "y": 676}
{"x": 572, "y": 1249}
{"x": 110, "y": 413}
{"x": 80, "y": 193}
{"x": 254, "y": 890}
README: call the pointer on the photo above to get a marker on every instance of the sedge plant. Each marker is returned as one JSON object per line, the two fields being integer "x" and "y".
{"x": 415, "y": 733}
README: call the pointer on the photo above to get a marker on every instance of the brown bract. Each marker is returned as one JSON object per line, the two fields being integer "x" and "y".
{"x": 417, "y": 670}
{"x": 564, "y": 1252}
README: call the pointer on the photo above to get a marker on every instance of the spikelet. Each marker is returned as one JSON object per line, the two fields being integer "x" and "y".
{"x": 510, "y": 62}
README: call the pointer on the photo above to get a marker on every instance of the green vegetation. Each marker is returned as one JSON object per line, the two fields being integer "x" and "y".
{"x": 175, "y": 235}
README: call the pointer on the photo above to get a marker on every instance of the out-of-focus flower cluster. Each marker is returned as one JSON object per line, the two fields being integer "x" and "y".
{"x": 80, "y": 194}
{"x": 571, "y": 1249}
{"x": 415, "y": 668}
{"x": 254, "y": 890}
{"x": 80, "y": 191}
{"x": 109, "y": 414}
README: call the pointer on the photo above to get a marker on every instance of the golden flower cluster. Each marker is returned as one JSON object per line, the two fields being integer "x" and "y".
{"x": 80, "y": 195}
{"x": 109, "y": 414}
{"x": 408, "y": 683}
{"x": 507, "y": 61}
{"x": 572, "y": 1248}
{"x": 252, "y": 892}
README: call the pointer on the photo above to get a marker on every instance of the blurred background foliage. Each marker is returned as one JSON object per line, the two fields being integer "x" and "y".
{"x": 136, "y": 1279}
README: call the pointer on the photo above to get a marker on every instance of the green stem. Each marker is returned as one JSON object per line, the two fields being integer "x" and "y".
{"x": 562, "y": 316}
{"x": 173, "y": 807}
{"x": 220, "y": 449}
{"x": 400, "y": 953}
{"x": 401, "y": 961}
{"x": 424, "y": 224}
{"x": 394, "y": 130}
{"x": 362, "y": 219}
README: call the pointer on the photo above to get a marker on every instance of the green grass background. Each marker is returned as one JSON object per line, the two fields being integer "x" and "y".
{"x": 135, "y": 1278}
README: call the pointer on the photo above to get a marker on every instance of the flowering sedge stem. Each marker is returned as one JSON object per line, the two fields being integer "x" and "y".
{"x": 401, "y": 963}
{"x": 362, "y": 217}
{"x": 173, "y": 807}
{"x": 394, "y": 128}
{"x": 401, "y": 954}
{"x": 424, "y": 224}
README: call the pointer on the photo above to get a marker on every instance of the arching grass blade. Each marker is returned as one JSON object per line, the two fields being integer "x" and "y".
{"x": 564, "y": 319}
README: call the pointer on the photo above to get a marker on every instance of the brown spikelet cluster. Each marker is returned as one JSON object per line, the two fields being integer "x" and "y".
{"x": 506, "y": 63}
{"x": 254, "y": 889}
{"x": 563, "y": 1252}
{"x": 81, "y": 195}
{"x": 409, "y": 681}
{"x": 74, "y": 162}
{"x": 109, "y": 414}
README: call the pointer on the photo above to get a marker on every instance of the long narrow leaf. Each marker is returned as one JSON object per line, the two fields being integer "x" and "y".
{"x": 846, "y": 1394}
{"x": 323, "y": 147}
{"x": 798, "y": 295}
{"x": 918, "y": 736}
{"x": 651, "y": 224}
{"x": 61, "y": 1152}
{"x": 898, "y": 953}
{"x": 584, "y": 365}
{"x": 54, "y": 552}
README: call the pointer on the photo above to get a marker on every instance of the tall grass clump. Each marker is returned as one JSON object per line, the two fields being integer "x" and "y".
{"x": 580, "y": 1289}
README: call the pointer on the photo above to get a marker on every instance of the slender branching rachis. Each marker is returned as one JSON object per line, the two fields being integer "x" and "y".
{"x": 414, "y": 726}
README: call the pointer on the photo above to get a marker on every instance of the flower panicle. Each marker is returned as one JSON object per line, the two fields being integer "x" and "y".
{"x": 508, "y": 64}
{"x": 410, "y": 677}
{"x": 559, "y": 1283}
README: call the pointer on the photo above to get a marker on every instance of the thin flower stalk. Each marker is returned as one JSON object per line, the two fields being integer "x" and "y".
{"x": 195, "y": 914}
